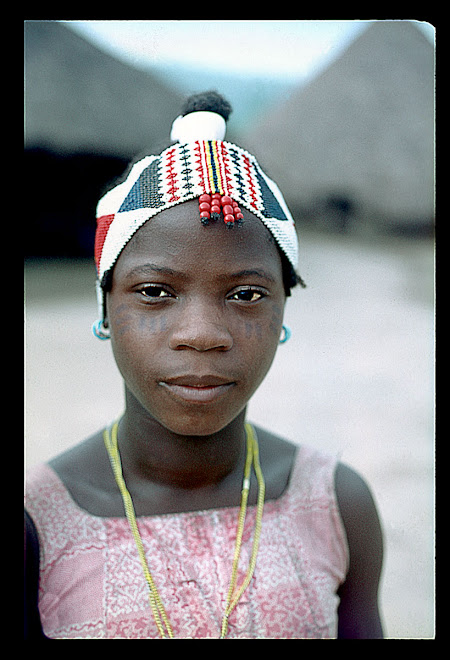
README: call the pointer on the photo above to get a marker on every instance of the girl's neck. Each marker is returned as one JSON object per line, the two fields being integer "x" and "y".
{"x": 150, "y": 452}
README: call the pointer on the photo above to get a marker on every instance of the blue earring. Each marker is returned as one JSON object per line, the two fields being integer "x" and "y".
{"x": 286, "y": 335}
{"x": 100, "y": 331}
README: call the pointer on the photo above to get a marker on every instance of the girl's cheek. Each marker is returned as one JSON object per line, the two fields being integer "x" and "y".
{"x": 276, "y": 320}
{"x": 124, "y": 321}
{"x": 120, "y": 324}
{"x": 149, "y": 324}
{"x": 253, "y": 330}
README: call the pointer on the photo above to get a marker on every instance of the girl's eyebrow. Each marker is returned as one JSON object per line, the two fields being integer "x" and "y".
{"x": 253, "y": 272}
{"x": 150, "y": 269}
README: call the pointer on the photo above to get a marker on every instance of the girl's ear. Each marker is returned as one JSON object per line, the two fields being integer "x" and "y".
{"x": 101, "y": 327}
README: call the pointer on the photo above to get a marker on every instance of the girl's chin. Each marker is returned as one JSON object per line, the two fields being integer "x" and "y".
{"x": 188, "y": 413}
{"x": 197, "y": 423}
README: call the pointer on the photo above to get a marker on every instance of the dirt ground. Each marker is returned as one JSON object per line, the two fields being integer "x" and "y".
{"x": 355, "y": 379}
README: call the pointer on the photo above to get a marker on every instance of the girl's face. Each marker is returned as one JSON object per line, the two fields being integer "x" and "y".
{"x": 195, "y": 315}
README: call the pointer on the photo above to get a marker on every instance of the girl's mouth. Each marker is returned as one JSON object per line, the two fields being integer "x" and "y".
{"x": 198, "y": 389}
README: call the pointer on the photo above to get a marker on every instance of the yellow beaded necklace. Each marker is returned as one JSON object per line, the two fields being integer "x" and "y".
{"x": 233, "y": 597}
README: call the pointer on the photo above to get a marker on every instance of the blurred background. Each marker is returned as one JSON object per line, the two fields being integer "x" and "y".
{"x": 341, "y": 115}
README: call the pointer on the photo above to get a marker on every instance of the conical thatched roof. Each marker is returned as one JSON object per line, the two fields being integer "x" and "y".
{"x": 363, "y": 130}
{"x": 79, "y": 98}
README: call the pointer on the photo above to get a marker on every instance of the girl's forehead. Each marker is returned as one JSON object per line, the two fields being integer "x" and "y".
{"x": 176, "y": 236}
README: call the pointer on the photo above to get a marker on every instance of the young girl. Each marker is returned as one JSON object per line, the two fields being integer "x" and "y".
{"x": 182, "y": 520}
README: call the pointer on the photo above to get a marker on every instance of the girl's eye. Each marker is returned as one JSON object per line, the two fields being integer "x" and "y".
{"x": 248, "y": 295}
{"x": 154, "y": 292}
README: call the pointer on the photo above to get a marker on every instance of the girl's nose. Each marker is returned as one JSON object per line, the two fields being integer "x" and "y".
{"x": 200, "y": 328}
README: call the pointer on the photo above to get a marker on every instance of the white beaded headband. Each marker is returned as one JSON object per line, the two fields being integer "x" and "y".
{"x": 201, "y": 165}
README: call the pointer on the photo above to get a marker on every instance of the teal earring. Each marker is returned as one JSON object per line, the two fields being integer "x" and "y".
{"x": 100, "y": 331}
{"x": 285, "y": 335}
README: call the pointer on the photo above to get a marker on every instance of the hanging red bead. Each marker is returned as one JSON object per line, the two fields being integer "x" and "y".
{"x": 205, "y": 208}
{"x": 227, "y": 208}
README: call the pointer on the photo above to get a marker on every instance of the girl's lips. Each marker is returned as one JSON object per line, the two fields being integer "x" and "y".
{"x": 194, "y": 391}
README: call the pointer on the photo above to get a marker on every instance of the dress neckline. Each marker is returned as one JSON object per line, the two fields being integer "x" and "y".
{"x": 198, "y": 512}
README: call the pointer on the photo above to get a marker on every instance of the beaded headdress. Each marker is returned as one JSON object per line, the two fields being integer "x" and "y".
{"x": 223, "y": 176}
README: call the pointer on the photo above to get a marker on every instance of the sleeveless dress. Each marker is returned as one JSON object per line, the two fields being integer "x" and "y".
{"x": 92, "y": 584}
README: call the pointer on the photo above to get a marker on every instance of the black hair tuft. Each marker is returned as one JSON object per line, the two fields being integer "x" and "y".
{"x": 207, "y": 101}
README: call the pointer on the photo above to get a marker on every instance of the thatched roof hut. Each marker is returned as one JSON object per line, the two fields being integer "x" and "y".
{"x": 86, "y": 115}
{"x": 79, "y": 98}
{"x": 358, "y": 140}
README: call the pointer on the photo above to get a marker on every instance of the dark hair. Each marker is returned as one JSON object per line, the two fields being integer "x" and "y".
{"x": 210, "y": 101}
{"x": 290, "y": 277}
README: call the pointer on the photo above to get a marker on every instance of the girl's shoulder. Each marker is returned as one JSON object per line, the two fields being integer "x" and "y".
{"x": 316, "y": 470}
{"x": 85, "y": 472}
{"x": 355, "y": 499}
{"x": 358, "y": 612}
{"x": 88, "y": 455}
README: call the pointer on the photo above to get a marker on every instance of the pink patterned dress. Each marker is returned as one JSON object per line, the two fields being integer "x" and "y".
{"x": 92, "y": 584}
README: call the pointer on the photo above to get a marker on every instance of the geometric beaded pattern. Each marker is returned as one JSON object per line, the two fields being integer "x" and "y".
{"x": 182, "y": 172}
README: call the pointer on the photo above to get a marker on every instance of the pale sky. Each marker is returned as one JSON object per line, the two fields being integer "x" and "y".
{"x": 292, "y": 49}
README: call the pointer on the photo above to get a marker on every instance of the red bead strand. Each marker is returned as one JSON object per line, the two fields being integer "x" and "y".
{"x": 215, "y": 206}
{"x": 205, "y": 208}
{"x": 210, "y": 207}
{"x": 227, "y": 208}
